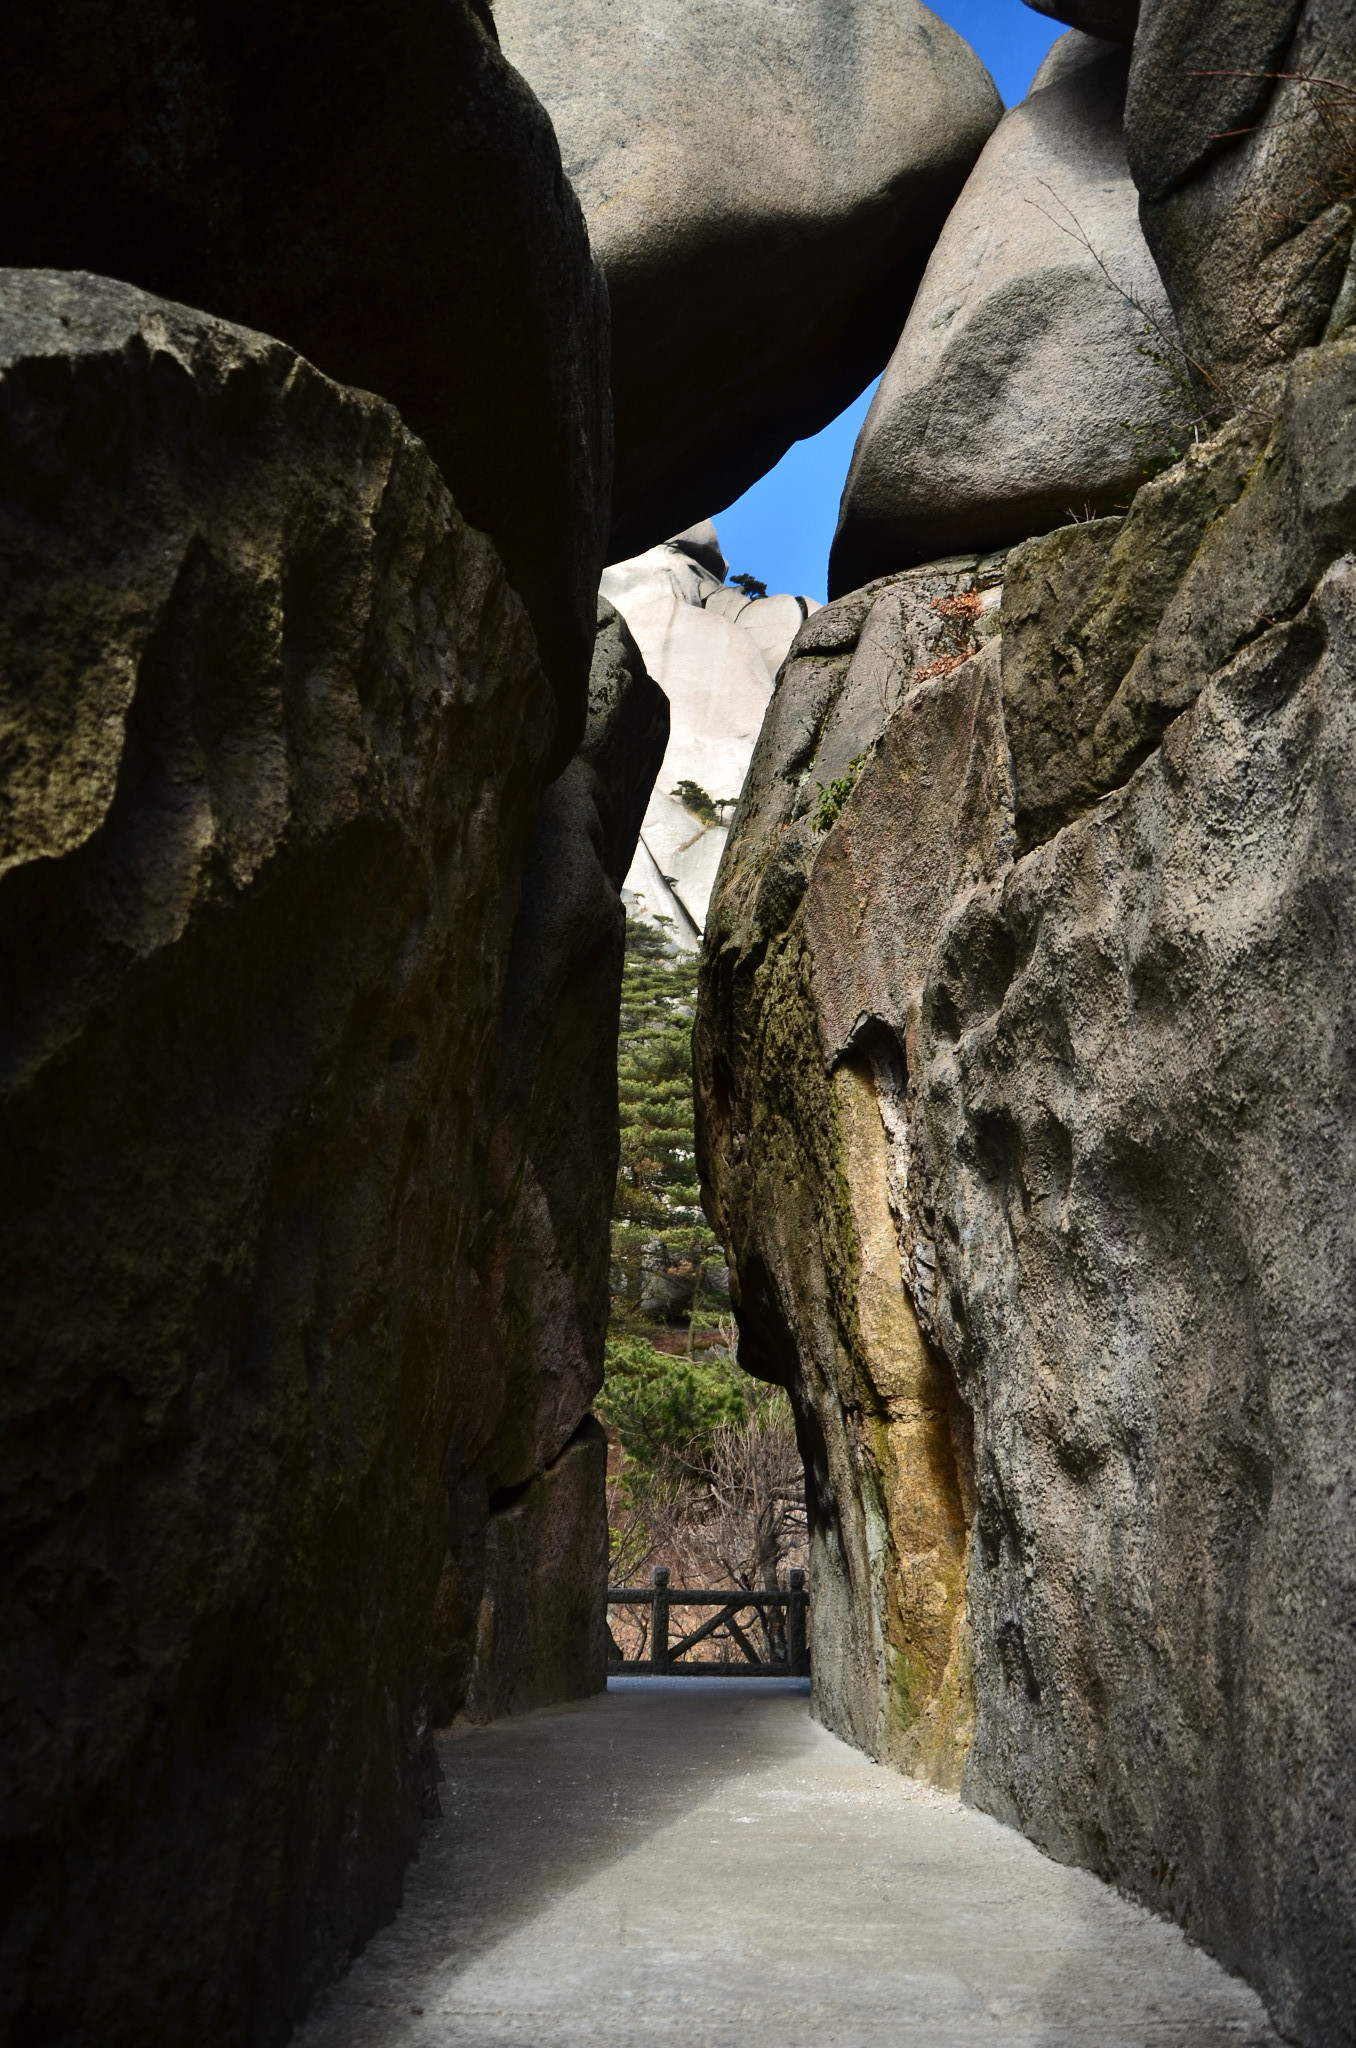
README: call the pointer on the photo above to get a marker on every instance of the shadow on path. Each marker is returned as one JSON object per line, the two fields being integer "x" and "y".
{"x": 698, "y": 1863}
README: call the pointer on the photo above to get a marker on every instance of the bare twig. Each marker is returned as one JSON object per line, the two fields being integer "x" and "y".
{"x": 1078, "y": 233}
{"x": 1293, "y": 77}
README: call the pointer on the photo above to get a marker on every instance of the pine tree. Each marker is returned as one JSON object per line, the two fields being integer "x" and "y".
{"x": 657, "y": 1222}
{"x": 702, "y": 1483}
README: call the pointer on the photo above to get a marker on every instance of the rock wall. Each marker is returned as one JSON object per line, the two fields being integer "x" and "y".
{"x": 530, "y": 1486}
{"x": 275, "y": 732}
{"x": 383, "y": 193}
{"x": 796, "y": 1154}
{"x": 1241, "y": 129}
{"x": 1026, "y": 1114}
{"x": 541, "y": 1626}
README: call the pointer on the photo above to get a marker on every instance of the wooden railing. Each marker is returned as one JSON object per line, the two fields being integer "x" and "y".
{"x": 666, "y": 1659}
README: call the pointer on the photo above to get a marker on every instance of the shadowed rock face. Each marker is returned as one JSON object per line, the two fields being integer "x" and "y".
{"x": 1247, "y": 176}
{"x": 275, "y": 732}
{"x": 557, "y": 1136}
{"x": 541, "y": 1626}
{"x": 762, "y": 185}
{"x": 1020, "y": 394}
{"x": 303, "y": 167}
{"x": 1079, "y": 939}
{"x": 505, "y": 1637}
{"x": 1116, "y": 20}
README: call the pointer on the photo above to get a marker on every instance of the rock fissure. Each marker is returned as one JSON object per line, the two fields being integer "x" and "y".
{"x": 1021, "y": 874}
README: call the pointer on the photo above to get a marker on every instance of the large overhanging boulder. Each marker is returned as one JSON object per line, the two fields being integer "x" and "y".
{"x": 1028, "y": 386}
{"x": 1116, "y": 20}
{"x": 378, "y": 189}
{"x": 762, "y": 183}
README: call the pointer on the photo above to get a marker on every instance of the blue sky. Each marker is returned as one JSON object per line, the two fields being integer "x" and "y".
{"x": 781, "y": 529}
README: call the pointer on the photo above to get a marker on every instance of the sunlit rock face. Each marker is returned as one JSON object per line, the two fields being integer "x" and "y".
{"x": 1033, "y": 376}
{"x": 1241, "y": 128}
{"x": 802, "y": 1146}
{"x": 762, "y": 183}
{"x": 1028, "y": 1117}
{"x": 715, "y": 652}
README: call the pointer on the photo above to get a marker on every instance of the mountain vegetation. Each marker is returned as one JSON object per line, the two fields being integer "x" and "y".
{"x": 705, "y": 1472}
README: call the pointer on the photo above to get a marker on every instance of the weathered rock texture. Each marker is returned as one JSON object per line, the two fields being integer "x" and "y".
{"x": 273, "y": 733}
{"x": 383, "y": 193}
{"x": 1020, "y": 394}
{"x": 715, "y": 651}
{"x": 506, "y": 1615}
{"x": 762, "y": 184}
{"x": 1081, "y": 942}
{"x": 541, "y": 1627}
{"x": 798, "y": 1162}
{"x": 1241, "y": 130}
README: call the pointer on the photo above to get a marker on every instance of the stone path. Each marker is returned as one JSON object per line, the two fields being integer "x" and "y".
{"x": 696, "y": 1862}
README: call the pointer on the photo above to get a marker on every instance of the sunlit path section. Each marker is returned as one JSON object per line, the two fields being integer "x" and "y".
{"x": 697, "y": 1862}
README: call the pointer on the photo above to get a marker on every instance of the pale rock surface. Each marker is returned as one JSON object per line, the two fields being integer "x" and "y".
{"x": 1010, "y": 403}
{"x": 714, "y": 652}
{"x": 762, "y": 181}
{"x": 1027, "y": 1116}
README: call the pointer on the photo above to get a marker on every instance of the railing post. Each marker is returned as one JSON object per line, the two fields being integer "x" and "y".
{"x": 798, "y": 1600}
{"x": 659, "y": 1622}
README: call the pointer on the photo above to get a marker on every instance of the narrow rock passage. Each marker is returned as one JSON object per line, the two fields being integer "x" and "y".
{"x": 698, "y": 1862}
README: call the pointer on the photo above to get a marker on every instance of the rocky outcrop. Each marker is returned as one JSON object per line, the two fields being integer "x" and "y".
{"x": 715, "y": 652}
{"x": 506, "y": 1622}
{"x": 762, "y": 192}
{"x": 1114, "y": 20}
{"x": 541, "y": 1626}
{"x": 275, "y": 731}
{"x": 796, "y": 1156}
{"x": 1241, "y": 129}
{"x": 1020, "y": 394}
{"x": 261, "y": 159}
{"x": 1024, "y": 1105}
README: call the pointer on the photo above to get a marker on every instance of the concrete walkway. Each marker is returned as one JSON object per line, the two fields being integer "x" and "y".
{"x": 697, "y": 1862}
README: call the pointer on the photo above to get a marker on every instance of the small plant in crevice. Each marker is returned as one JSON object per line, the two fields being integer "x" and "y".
{"x": 959, "y": 613}
{"x": 962, "y": 609}
{"x": 940, "y": 665}
{"x": 831, "y": 798}
{"x": 750, "y": 585}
